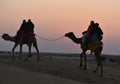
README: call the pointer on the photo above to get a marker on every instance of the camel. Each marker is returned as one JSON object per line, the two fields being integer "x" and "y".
{"x": 29, "y": 44}
{"x": 96, "y": 50}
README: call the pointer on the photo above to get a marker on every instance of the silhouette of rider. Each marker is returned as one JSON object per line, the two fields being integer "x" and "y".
{"x": 26, "y": 28}
{"x": 29, "y": 30}
{"x": 89, "y": 30}
{"x": 20, "y": 32}
{"x": 93, "y": 32}
{"x": 97, "y": 32}
{"x": 87, "y": 34}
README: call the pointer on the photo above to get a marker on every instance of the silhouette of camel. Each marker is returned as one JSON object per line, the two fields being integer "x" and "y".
{"x": 29, "y": 44}
{"x": 96, "y": 50}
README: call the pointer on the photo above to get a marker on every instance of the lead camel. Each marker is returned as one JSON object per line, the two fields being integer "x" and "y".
{"x": 29, "y": 43}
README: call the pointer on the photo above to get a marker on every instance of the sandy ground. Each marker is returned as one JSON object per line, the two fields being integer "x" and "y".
{"x": 55, "y": 71}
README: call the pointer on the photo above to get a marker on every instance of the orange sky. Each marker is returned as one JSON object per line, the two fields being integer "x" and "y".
{"x": 53, "y": 18}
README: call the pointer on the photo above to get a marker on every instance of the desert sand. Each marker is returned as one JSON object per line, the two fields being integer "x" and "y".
{"x": 56, "y": 71}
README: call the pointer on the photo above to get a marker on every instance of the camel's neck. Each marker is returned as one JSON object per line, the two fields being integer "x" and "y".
{"x": 10, "y": 38}
{"x": 75, "y": 39}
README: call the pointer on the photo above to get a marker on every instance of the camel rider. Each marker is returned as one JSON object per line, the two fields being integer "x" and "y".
{"x": 20, "y": 32}
{"x": 87, "y": 34}
{"x": 29, "y": 30}
{"x": 84, "y": 37}
{"x": 90, "y": 29}
{"x": 96, "y": 32}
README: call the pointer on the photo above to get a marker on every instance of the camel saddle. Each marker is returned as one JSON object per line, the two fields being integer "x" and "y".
{"x": 25, "y": 38}
{"x": 93, "y": 44}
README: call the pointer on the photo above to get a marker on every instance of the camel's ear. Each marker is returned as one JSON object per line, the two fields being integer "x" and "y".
{"x": 5, "y": 34}
{"x": 70, "y": 33}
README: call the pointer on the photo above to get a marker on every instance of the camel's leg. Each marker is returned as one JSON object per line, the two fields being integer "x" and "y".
{"x": 36, "y": 47}
{"x": 81, "y": 55}
{"x": 29, "y": 51}
{"x": 20, "y": 54}
{"x": 101, "y": 66}
{"x": 29, "y": 54}
{"x": 85, "y": 64}
{"x": 99, "y": 60}
{"x": 13, "y": 51}
{"x": 81, "y": 64}
{"x": 81, "y": 58}
{"x": 37, "y": 52}
{"x": 99, "y": 63}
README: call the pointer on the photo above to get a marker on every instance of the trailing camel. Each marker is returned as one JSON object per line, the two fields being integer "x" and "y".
{"x": 93, "y": 46}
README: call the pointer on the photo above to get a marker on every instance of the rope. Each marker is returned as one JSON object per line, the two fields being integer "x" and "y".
{"x": 49, "y": 39}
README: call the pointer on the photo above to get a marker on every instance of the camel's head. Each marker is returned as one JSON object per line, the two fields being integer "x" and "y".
{"x": 69, "y": 34}
{"x": 73, "y": 37}
{"x": 5, "y": 36}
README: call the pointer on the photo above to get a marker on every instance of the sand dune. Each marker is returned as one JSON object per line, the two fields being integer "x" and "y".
{"x": 14, "y": 75}
{"x": 55, "y": 71}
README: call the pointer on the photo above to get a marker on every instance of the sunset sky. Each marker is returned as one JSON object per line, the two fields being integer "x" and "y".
{"x": 54, "y": 18}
